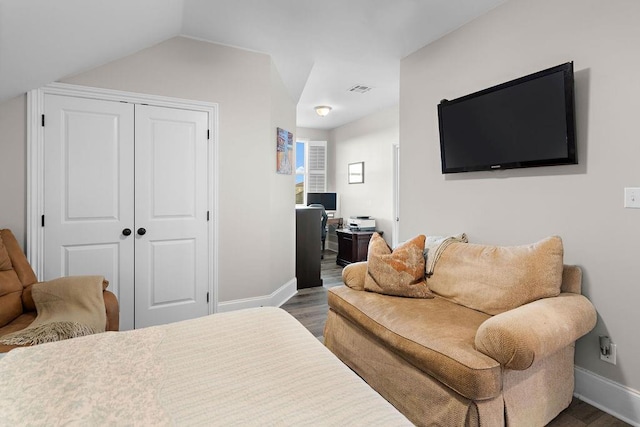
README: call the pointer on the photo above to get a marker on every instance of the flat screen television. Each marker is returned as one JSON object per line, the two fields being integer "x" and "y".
{"x": 328, "y": 200}
{"x": 525, "y": 122}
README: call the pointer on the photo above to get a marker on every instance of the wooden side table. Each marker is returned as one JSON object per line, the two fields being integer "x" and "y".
{"x": 352, "y": 246}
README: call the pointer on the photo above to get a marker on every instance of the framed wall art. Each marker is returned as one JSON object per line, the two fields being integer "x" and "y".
{"x": 356, "y": 173}
{"x": 284, "y": 149}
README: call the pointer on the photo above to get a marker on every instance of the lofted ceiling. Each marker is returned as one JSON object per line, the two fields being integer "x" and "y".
{"x": 320, "y": 48}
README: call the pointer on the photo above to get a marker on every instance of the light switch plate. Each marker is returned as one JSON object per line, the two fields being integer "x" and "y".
{"x": 632, "y": 197}
{"x": 611, "y": 357}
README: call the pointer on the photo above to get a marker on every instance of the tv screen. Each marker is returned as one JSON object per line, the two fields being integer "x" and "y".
{"x": 522, "y": 123}
{"x": 328, "y": 200}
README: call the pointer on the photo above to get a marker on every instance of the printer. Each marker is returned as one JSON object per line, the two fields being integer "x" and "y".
{"x": 361, "y": 223}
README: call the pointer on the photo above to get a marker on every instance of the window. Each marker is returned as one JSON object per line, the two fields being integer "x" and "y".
{"x": 300, "y": 151}
{"x": 311, "y": 169}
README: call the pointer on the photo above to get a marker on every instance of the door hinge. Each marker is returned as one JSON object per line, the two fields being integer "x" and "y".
{"x": 207, "y": 297}
{"x": 207, "y": 215}
{"x": 208, "y": 134}
{"x": 42, "y": 220}
{"x": 43, "y": 120}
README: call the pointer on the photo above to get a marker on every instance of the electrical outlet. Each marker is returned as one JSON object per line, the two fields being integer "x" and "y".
{"x": 611, "y": 357}
{"x": 632, "y": 197}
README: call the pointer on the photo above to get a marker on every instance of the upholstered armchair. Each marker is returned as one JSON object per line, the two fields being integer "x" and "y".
{"x": 17, "y": 308}
{"x": 488, "y": 339}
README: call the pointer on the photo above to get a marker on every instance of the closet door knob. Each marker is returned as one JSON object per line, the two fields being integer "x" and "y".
{"x": 142, "y": 231}
{"x": 126, "y": 232}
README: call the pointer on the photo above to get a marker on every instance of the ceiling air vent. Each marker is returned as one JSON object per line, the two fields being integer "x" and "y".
{"x": 360, "y": 89}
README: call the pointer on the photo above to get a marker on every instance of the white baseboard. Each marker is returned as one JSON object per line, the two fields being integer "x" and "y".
{"x": 285, "y": 293}
{"x": 609, "y": 396}
{"x": 276, "y": 299}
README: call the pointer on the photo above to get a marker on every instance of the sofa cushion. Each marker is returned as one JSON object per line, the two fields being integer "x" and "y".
{"x": 400, "y": 272}
{"x": 5, "y": 261}
{"x": 434, "y": 335}
{"x": 10, "y": 297}
{"x": 494, "y": 279}
{"x": 28, "y": 304}
{"x": 19, "y": 261}
{"x": 17, "y": 324}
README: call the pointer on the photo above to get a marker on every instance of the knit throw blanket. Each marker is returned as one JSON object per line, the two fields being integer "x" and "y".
{"x": 67, "y": 307}
{"x": 435, "y": 245}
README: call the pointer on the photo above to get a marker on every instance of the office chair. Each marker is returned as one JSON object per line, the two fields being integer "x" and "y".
{"x": 323, "y": 232}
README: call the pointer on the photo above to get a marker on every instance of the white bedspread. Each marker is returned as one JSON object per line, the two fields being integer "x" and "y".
{"x": 252, "y": 367}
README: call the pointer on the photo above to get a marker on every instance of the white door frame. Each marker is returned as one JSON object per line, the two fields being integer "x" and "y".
{"x": 396, "y": 194}
{"x": 35, "y": 164}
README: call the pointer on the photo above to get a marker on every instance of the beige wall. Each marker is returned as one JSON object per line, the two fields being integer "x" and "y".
{"x": 13, "y": 167}
{"x": 312, "y": 134}
{"x": 581, "y": 203}
{"x": 369, "y": 140}
{"x": 256, "y": 206}
{"x": 322, "y": 135}
{"x": 282, "y": 201}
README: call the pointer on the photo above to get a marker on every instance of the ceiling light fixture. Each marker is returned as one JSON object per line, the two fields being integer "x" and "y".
{"x": 323, "y": 110}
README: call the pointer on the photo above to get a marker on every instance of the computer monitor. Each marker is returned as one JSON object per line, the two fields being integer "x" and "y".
{"x": 328, "y": 200}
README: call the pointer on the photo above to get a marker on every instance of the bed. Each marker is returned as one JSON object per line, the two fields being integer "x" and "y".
{"x": 251, "y": 367}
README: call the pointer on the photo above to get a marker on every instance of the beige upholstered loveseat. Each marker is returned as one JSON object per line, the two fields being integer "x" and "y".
{"x": 495, "y": 346}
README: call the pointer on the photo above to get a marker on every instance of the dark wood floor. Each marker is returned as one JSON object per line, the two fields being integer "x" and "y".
{"x": 310, "y": 307}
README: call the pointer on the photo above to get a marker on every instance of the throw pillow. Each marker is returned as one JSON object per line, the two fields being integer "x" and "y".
{"x": 494, "y": 279}
{"x": 377, "y": 246}
{"x": 399, "y": 272}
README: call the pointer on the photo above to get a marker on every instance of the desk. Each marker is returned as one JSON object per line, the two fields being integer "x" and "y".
{"x": 337, "y": 222}
{"x": 352, "y": 246}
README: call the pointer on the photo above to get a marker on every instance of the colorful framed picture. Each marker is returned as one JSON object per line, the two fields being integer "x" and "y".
{"x": 284, "y": 147}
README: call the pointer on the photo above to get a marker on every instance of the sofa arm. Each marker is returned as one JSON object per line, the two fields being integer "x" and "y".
{"x": 112, "y": 309}
{"x": 519, "y": 337}
{"x": 353, "y": 275}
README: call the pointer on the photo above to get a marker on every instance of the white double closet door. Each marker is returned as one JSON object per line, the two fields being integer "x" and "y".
{"x": 126, "y": 197}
